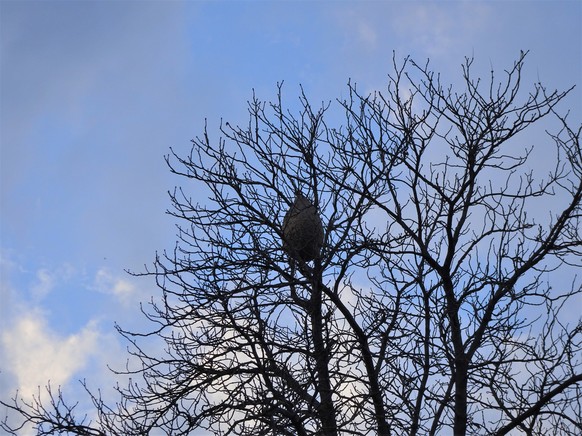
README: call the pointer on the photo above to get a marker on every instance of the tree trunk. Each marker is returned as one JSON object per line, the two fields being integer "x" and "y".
{"x": 321, "y": 353}
{"x": 460, "y": 425}
{"x": 461, "y": 364}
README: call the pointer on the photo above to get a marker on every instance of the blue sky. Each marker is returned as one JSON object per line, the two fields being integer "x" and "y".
{"x": 93, "y": 94}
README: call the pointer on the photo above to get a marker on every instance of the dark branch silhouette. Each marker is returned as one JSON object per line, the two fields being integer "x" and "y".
{"x": 391, "y": 263}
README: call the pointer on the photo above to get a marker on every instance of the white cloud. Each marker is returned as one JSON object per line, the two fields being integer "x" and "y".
{"x": 44, "y": 343}
{"x": 34, "y": 354}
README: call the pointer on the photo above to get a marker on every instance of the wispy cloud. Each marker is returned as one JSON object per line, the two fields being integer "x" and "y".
{"x": 121, "y": 288}
{"x": 45, "y": 283}
{"x": 47, "y": 279}
{"x": 359, "y": 27}
{"x": 431, "y": 29}
{"x": 440, "y": 29}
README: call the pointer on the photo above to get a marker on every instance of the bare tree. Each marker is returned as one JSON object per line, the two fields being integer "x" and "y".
{"x": 420, "y": 296}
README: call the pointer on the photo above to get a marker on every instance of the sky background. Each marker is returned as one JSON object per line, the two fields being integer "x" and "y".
{"x": 93, "y": 94}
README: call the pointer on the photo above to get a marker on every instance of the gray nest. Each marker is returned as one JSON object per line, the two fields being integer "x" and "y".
{"x": 302, "y": 230}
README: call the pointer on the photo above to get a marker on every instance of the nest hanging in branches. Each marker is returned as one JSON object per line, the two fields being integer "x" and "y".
{"x": 302, "y": 230}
